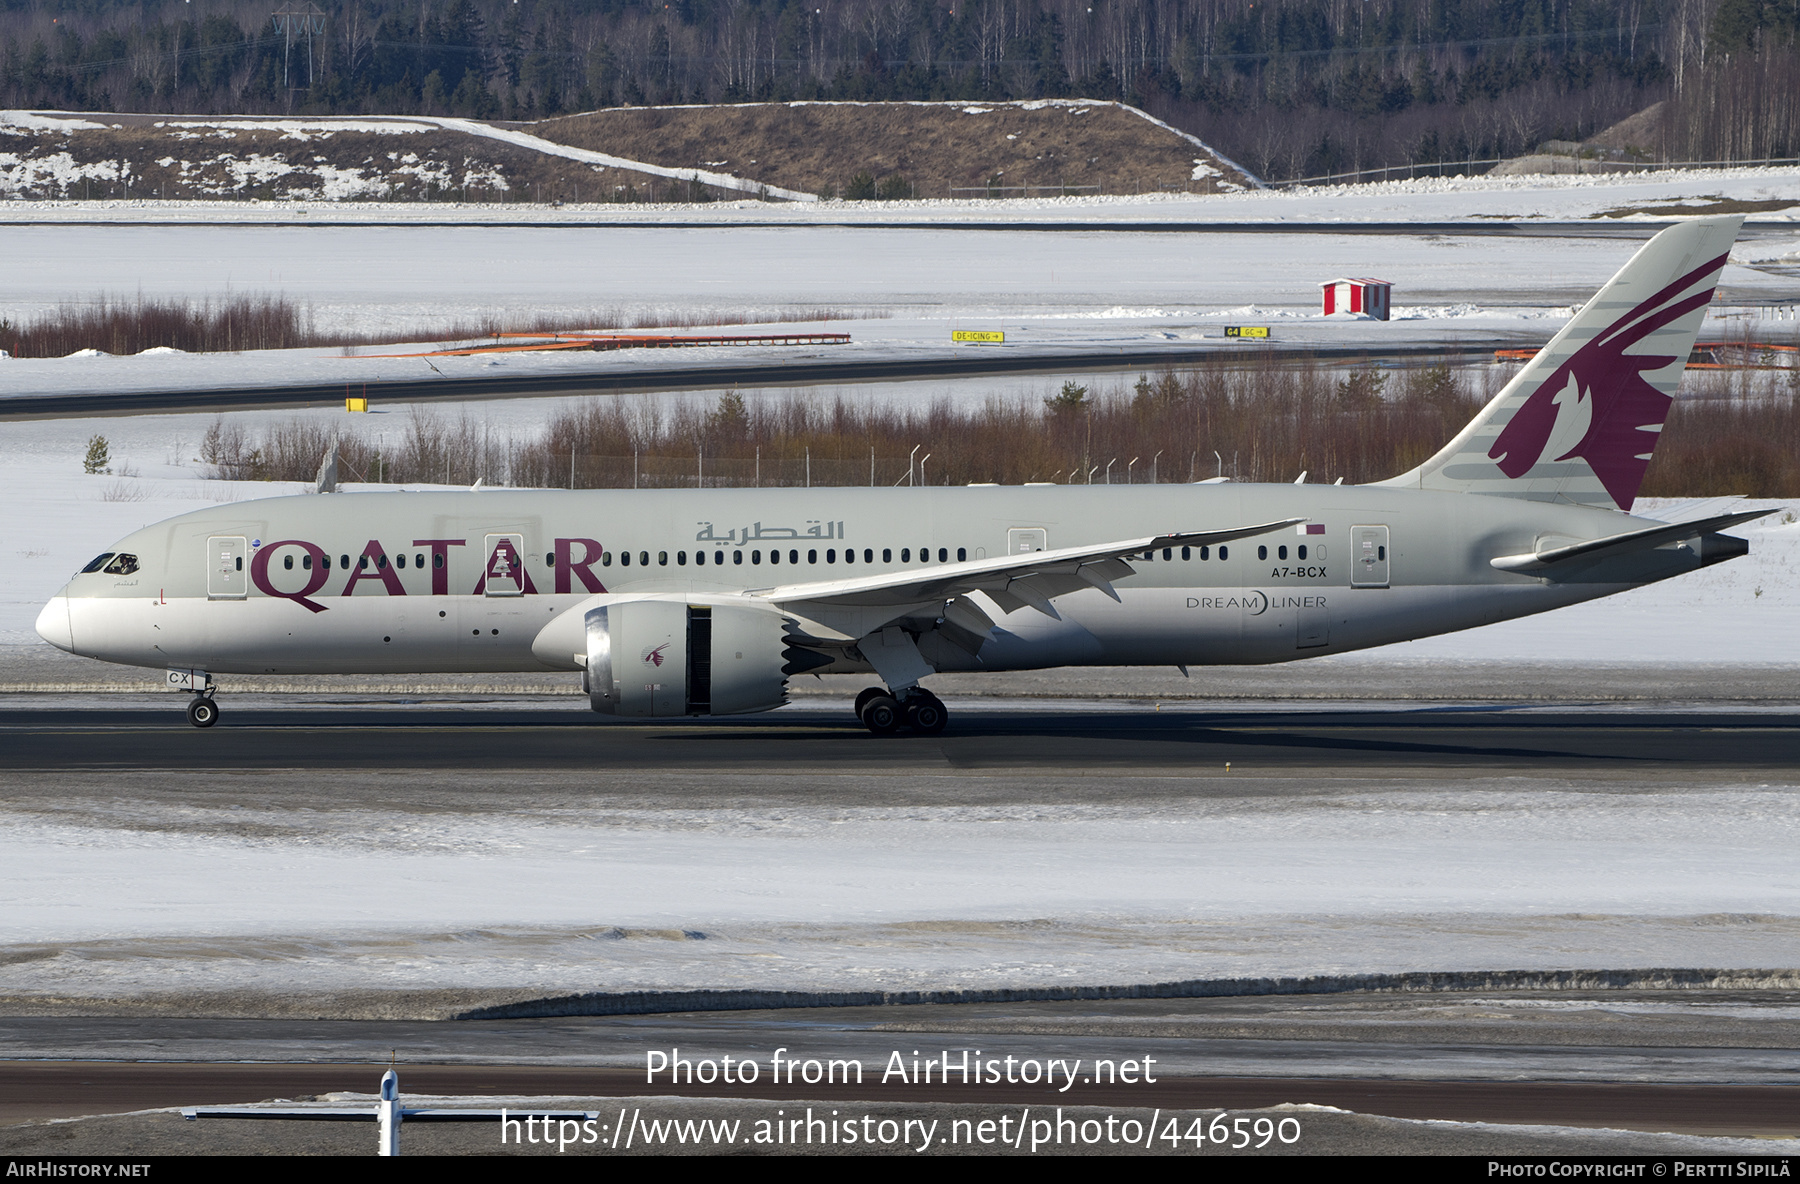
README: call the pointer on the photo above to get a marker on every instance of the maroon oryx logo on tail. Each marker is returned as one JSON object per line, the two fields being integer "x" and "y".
{"x": 1598, "y": 405}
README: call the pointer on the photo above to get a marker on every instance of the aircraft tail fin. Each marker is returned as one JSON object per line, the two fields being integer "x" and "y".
{"x": 1579, "y": 422}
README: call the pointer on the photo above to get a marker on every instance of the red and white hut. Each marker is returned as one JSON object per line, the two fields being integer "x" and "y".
{"x": 1358, "y": 298}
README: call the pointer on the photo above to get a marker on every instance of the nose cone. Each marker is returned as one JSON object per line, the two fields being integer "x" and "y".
{"x": 53, "y": 624}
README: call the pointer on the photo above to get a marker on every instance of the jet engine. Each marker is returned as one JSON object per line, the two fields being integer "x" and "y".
{"x": 669, "y": 657}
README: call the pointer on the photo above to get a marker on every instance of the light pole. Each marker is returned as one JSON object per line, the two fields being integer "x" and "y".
{"x": 922, "y": 468}
{"x": 1109, "y": 465}
{"x": 1153, "y": 461}
{"x": 909, "y": 463}
{"x": 1128, "y": 467}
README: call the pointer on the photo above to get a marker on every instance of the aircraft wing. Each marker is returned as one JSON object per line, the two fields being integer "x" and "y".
{"x": 1012, "y": 581}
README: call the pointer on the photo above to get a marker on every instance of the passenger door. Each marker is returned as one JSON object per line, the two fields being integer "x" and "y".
{"x": 506, "y": 565}
{"x": 1368, "y": 556}
{"x": 225, "y": 575}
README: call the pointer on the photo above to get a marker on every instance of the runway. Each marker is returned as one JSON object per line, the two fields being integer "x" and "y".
{"x": 651, "y": 376}
{"x": 809, "y": 741}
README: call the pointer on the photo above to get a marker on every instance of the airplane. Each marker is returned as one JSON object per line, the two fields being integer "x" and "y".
{"x": 672, "y": 603}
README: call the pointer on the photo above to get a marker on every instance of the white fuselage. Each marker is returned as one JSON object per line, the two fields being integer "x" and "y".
{"x": 465, "y": 581}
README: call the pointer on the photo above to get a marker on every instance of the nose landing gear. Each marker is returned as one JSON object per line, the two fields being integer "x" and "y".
{"x": 916, "y": 708}
{"x": 202, "y": 711}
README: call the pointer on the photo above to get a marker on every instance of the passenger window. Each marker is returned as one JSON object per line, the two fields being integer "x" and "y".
{"x": 1262, "y": 552}
{"x": 287, "y": 561}
{"x": 1301, "y": 550}
{"x": 868, "y": 555}
{"x": 755, "y": 558}
{"x": 1281, "y": 552}
{"x": 774, "y": 556}
{"x": 344, "y": 562}
{"x": 437, "y": 561}
{"x": 1224, "y": 554}
{"x": 718, "y": 558}
{"x": 1205, "y": 554}
{"x": 662, "y": 559}
{"x": 887, "y": 556}
{"x": 681, "y": 559}
{"x": 381, "y": 563}
{"x": 400, "y": 560}
{"x": 737, "y": 557}
{"x": 943, "y": 554}
{"x": 605, "y": 558}
{"x": 549, "y": 558}
{"x": 306, "y": 561}
{"x": 849, "y": 554}
{"x": 1187, "y": 553}
{"x": 812, "y": 556}
{"x": 419, "y": 561}
{"x": 962, "y": 554}
{"x": 1149, "y": 555}
{"x": 98, "y": 563}
{"x": 831, "y": 555}
{"x": 643, "y": 559}
{"x": 624, "y": 558}
{"x": 1168, "y": 553}
{"x": 906, "y": 554}
{"x": 793, "y": 557}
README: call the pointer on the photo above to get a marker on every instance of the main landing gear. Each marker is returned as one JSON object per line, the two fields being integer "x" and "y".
{"x": 916, "y": 708}
{"x": 203, "y": 711}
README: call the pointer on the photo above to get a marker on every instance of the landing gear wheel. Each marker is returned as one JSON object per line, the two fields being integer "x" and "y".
{"x": 862, "y": 699}
{"x": 882, "y": 715}
{"x": 925, "y": 714}
{"x": 203, "y": 712}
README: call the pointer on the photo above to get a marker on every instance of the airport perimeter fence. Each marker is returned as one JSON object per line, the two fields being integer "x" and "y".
{"x": 577, "y": 471}
{"x": 1476, "y": 168}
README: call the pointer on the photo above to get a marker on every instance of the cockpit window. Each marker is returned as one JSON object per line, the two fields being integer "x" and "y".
{"x": 97, "y": 564}
{"x": 122, "y": 565}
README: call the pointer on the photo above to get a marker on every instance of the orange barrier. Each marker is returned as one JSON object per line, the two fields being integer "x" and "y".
{"x": 609, "y": 341}
{"x": 1707, "y": 355}
{"x": 1740, "y": 355}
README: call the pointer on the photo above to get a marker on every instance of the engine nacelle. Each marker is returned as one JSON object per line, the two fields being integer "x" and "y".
{"x": 669, "y": 657}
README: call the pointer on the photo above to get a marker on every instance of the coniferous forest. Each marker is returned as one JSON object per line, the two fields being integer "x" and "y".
{"x": 1289, "y": 88}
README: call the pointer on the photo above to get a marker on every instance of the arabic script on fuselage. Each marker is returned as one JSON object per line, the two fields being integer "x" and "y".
{"x": 756, "y": 532}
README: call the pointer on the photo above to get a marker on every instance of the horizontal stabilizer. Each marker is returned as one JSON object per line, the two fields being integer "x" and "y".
{"x": 1621, "y": 544}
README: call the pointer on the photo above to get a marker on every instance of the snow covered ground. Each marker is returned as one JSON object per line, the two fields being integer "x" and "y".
{"x": 1425, "y": 199}
{"x": 1054, "y": 295}
{"x": 133, "y": 897}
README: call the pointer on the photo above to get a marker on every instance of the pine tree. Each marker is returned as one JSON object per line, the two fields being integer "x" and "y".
{"x": 99, "y": 456}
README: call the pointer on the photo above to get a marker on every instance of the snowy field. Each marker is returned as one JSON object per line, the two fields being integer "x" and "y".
{"x": 1422, "y": 200}
{"x": 905, "y": 287}
{"x": 123, "y": 897}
